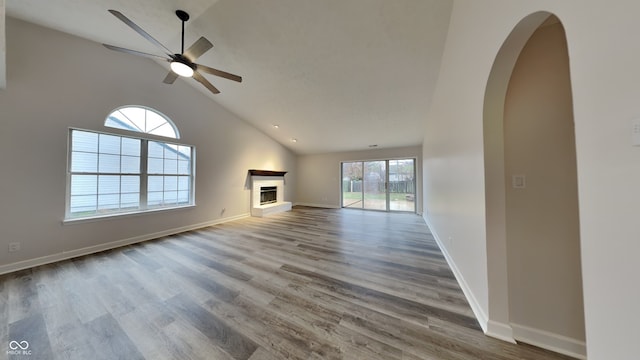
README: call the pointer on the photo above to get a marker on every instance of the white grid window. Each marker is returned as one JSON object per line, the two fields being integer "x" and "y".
{"x": 169, "y": 169}
{"x": 111, "y": 174}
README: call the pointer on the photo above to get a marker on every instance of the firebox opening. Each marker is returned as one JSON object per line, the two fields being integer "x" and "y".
{"x": 268, "y": 195}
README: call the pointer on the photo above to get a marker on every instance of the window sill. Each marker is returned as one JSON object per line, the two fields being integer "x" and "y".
{"x": 72, "y": 221}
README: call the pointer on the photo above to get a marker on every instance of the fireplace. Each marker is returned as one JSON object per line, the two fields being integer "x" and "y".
{"x": 267, "y": 192}
{"x": 268, "y": 195}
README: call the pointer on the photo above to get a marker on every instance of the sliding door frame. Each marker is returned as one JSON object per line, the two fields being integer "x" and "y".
{"x": 386, "y": 185}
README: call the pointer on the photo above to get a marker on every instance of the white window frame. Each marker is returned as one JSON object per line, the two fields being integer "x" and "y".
{"x": 144, "y": 175}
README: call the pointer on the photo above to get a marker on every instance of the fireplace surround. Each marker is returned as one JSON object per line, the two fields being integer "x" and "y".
{"x": 270, "y": 201}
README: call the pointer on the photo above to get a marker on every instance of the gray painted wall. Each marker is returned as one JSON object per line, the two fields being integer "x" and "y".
{"x": 57, "y": 81}
{"x": 319, "y": 175}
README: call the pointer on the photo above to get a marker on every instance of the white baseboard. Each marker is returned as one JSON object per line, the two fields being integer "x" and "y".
{"x": 550, "y": 341}
{"x": 325, "y": 206}
{"x": 481, "y": 316}
{"x": 65, "y": 255}
{"x": 500, "y": 331}
{"x": 512, "y": 332}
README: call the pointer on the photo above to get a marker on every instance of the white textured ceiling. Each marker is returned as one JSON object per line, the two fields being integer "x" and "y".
{"x": 337, "y": 75}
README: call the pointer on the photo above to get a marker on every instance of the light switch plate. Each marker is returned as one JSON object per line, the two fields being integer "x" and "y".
{"x": 635, "y": 132}
{"x": 518, "y": 181}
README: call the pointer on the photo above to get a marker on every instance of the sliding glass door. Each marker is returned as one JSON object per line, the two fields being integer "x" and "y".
{"x": 374, "y": 185}
{"x": 352, "y": 195}
{"x": 385, "y": 185}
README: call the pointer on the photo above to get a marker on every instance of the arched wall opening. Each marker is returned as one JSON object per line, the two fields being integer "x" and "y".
{"x": 533, "y": 243}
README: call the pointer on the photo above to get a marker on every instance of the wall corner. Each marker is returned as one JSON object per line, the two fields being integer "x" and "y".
{"x": 3, "y": 46}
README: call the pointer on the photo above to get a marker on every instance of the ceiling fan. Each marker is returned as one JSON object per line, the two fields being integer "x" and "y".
{"x": 181, "y": 64}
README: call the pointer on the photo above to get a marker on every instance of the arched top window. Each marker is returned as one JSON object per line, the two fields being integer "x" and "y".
{"x": 142, "y": 119}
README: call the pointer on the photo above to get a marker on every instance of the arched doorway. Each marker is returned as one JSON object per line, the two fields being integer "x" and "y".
{"x": 533, "y": 241}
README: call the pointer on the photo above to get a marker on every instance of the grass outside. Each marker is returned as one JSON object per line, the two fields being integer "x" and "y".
{"x": 378, "y": 196}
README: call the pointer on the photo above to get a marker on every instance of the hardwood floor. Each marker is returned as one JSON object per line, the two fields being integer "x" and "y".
{"x": 306, "y": 284}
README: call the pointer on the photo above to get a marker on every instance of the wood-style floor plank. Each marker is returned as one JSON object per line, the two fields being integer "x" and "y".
{"x": 306, "y": 284}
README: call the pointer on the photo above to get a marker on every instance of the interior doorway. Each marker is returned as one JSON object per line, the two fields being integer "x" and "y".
{"x": 383, "y": 185}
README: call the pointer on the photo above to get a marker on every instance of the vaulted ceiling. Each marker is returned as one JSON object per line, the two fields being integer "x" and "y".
{"x": 337, "y": 75}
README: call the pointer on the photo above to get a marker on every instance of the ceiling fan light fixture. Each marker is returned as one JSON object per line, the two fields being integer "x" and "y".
{"x": 181, "y": 68}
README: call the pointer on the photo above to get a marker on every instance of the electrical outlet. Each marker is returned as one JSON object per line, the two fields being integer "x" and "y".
{"x": 14, "y": 246}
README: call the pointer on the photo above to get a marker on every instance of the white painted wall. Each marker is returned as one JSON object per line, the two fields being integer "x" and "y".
{"x": 318, "y": 178}
{"x": 56, "y": 81}
{"x": 604, "y": 77}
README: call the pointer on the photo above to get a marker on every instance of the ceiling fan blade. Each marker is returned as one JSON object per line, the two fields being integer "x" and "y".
{"x": 198, "y": 48}
{"x": 139, "y": 30}
{"x": 205, "y": 82}
{"x": 216, "y": 72}
{"x": 170, "y": 78}
{"x": 134, "y": 52}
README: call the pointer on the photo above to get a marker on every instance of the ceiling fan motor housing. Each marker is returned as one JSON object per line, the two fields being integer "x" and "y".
{"x": 183, "y": 59}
